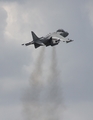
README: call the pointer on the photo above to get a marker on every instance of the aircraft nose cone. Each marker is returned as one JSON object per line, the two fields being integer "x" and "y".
{"x": 71, "y": 40}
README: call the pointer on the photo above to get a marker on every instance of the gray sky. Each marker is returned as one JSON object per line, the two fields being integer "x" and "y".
{"x": 75, "y": 60}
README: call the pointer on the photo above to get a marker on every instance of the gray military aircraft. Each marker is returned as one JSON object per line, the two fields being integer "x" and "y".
{"x": 50, "y": 39}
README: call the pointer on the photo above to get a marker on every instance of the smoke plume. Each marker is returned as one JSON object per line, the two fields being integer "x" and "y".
{"x": 37, "y": 72}
{"x": 44, "y": 101}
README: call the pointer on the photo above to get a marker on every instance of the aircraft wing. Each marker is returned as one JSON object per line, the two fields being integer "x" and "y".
{"x": 64, "y": 39}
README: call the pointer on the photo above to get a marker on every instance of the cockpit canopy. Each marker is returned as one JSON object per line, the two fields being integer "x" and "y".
{"x": 63, "y": 33}
{"x": 60, "y": 30}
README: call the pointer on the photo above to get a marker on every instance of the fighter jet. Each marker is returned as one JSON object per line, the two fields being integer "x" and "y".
{"x": 51, "y": 39}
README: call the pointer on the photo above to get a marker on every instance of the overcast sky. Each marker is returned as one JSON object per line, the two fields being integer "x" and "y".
{"x": 75, "y": 60}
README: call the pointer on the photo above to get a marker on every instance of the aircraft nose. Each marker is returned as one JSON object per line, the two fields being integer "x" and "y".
{"x": 71, "y": 40}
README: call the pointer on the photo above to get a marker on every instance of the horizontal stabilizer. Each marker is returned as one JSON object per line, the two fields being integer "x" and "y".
{"x": 29, "y": 43}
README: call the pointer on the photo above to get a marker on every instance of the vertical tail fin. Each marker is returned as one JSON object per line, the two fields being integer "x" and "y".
{"x": 34, "y": 36}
